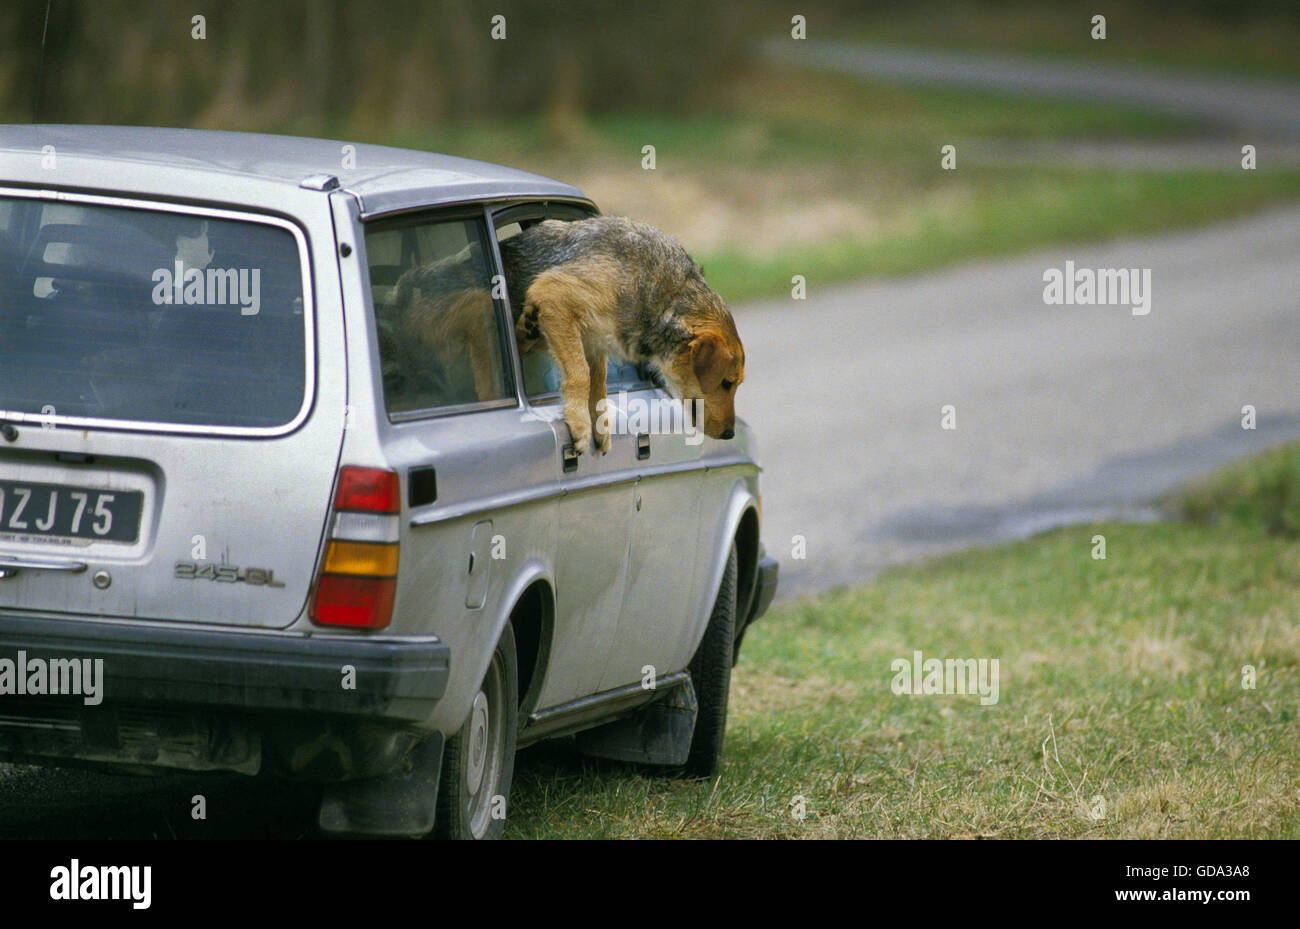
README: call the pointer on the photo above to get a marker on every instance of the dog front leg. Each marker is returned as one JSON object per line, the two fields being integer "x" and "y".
{"x": 598, "y": 403}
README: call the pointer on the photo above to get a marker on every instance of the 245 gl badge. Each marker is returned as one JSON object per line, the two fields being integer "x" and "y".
{"x": 226, "y": 574}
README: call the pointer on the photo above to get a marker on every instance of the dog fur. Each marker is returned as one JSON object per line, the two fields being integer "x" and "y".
{"x": 610, "y": 286}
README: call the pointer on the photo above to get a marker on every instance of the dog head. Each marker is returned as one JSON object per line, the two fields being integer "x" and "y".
{"x": 712, "y": 364}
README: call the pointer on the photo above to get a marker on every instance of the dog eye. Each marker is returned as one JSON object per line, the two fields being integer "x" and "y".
{"x": 727, "y": 385}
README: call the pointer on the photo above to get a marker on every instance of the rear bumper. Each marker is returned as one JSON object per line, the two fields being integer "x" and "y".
{"x": 398, "y": 680}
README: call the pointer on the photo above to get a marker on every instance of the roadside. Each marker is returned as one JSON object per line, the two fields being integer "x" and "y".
{"x": 1149, "y": 694}
{"x": 1062, "y": 413}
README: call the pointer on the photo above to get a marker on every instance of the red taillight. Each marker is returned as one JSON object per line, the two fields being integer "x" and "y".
{"x": 358, "y": 582}
{"x": 368, "y": 490}
{"x": 360, "y": 602}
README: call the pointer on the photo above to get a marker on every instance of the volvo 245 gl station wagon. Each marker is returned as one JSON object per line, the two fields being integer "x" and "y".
{"x": 246, "y": 527}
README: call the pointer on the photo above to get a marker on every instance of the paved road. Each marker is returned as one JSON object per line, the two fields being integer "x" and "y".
{"x": 1063, "y": 413}
{"x": 1271, "y": 107}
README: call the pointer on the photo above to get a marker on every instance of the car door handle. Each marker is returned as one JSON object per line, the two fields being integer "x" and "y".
{"x": 11, "y": 566}
{"x": 642, "y": 446}
{"x": 570, "y": 453}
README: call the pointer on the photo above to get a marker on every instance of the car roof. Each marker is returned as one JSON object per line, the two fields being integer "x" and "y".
{"x": 140, "y": 159}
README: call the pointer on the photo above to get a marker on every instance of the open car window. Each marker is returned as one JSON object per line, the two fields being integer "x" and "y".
{"x": 541, "y": 373}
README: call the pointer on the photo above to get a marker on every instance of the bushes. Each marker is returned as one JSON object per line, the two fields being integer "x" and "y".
{"x": 1262, "y": 493}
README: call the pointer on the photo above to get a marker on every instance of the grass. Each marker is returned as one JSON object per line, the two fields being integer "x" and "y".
{"x": 791, "y": 172}
{"x": 1120, "y": 679}
{"x": 1262, "y": 493}
{"x": 1004, "y": 216}
{"x": 778, "y": 114}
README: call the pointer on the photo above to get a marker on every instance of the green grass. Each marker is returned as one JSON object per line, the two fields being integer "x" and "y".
{"x": 1262, "y": 493}
{"x": 1120, "y": 679}
{"x": 1005, "y": 216}
{"x": 774, "y": 114}
{"x": 780, "y": 117}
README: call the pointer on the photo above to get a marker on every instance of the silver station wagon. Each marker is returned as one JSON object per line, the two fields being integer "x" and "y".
{"x": 246, "y": 527}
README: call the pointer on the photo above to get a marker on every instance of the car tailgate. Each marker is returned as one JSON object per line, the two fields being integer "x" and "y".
{"x": 171, "y": 452}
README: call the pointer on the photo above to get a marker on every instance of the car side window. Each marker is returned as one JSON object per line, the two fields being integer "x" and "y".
{"x": 541, "y": 373}
{"x": 439, "y": 336}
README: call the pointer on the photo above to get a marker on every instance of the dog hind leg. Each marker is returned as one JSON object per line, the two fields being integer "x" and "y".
{"x": 528, "y": 333}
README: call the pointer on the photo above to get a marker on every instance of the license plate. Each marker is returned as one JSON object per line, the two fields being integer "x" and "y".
{"x": 58, "y": 510}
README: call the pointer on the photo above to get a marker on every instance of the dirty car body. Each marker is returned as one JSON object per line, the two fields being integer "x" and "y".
{"x": 296, "y": 540}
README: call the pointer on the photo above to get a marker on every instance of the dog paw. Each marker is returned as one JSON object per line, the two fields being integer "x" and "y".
{"x": 528, "y": 331}
{"x": 580, "y": 430}
{"x": 602, "y": 442}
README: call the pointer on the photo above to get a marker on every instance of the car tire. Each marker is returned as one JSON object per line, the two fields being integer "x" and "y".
{"x": 479, "y": 761}
{"x": 711, "y": 677}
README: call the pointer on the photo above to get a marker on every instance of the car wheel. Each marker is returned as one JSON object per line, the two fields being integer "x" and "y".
{"x": 479, "y": 762}
{"x": 711, "y": 676}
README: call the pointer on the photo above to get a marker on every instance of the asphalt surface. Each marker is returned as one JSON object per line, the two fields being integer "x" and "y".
{"x": 1063, "y": 413}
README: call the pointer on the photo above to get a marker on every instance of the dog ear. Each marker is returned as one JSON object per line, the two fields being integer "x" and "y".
{"x": 711, "y": 358}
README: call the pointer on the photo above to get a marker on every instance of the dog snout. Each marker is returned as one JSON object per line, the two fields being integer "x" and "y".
{"x": 719, "y": 429}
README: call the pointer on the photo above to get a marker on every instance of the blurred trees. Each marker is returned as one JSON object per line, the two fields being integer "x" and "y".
{"x": 316, "y": 63}
{"x": 366, "y": 66}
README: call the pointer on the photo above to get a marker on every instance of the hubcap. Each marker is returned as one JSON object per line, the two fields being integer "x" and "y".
{"x": 485, "y": 748}
{"x": 478, "y": 741}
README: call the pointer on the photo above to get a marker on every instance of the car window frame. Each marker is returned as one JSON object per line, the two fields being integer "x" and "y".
{"x": 480, "y": 215}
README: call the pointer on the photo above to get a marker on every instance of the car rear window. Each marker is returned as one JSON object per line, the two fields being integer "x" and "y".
{"x": 148, "y": 315}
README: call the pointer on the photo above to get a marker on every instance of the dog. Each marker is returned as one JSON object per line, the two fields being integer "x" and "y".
{"x": 611, "y": 286}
